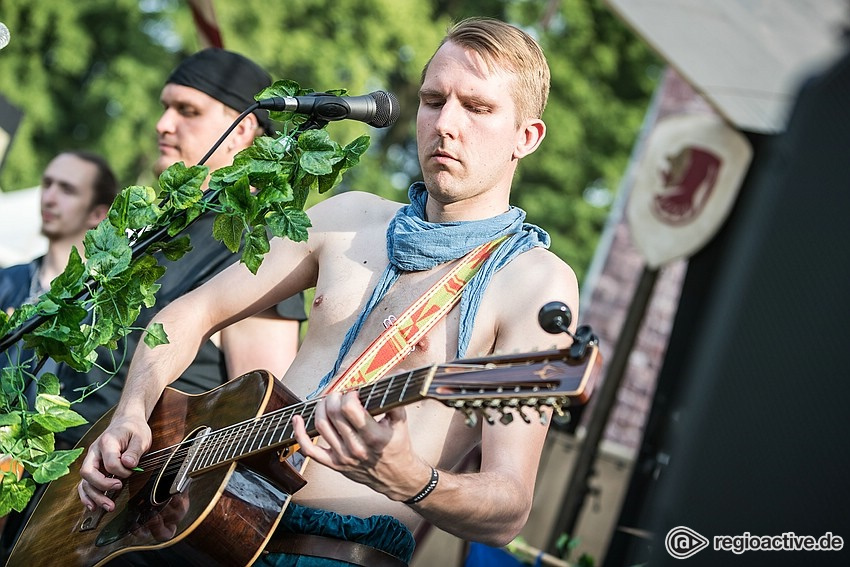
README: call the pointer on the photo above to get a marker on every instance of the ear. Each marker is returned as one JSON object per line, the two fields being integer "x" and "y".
{"x": 97, "y": 214}
{"x": 529, "y": 137}
{"x": 246, "y": 131}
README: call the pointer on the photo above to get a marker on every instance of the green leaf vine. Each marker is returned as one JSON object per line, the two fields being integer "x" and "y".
{"x": 96, "y": 300}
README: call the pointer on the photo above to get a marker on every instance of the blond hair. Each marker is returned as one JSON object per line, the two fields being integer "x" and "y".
{"x": 503, "y": 46}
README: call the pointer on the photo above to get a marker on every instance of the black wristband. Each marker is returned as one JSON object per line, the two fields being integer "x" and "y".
{"x": 429, "y": 488}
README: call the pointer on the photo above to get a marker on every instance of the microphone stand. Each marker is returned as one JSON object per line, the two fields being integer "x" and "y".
{"x": 140, "y": 246}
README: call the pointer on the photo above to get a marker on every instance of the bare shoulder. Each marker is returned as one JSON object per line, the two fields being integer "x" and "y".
{"x": 542, "y": 270}
{"x": 352, "y": 210}
{"x": 520, "y": 289}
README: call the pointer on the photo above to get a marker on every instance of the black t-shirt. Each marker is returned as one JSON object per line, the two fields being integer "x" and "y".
{"x": 207, "y": 258}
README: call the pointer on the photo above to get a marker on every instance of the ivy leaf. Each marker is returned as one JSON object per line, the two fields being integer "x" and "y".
{"x": 9, "y": 419}
{"x": 55, "y": 464}
{"x": 256, "y": 246}
{"x": 351, "y": 157}
{"x": 228, "y": 230}
{"x": 55, "y": 338}
{"x": 261, "y": 153}
{"x": 107, "y": 250}
{"x": 172, "y": 249}
{"x": 72, "y": 280}
{"x": 319, "y": 152}
{"x": 290, "y": 223}
{"x": 278, "y": 191}
{"x": 55, "y": 413}
{"x": 283, "y": 87}
{"x": 180, "y": 222}
{"x": 17, "y": 318}
{"x": 14, "y": 493}
{"x": 48, "y": 383}
{"x": 237, "y": 198}
{"x": 155, "y": 335}
{"x": 182, "y": 185}
{"x": 145, "y": 271}
{"x": 223, "y": 177}
{"x": 355, "y": 149}
{"x": 134, "y": 208}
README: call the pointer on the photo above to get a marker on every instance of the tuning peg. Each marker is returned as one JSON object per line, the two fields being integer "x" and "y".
{"x": 556, "y": 405}
{"x": 555, "y": 317}
{"x": 523, "y": 415}
{"x": 507, "y": 416}
{"x": 471, "y": 417}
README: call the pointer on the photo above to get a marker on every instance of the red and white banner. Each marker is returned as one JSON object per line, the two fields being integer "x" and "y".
{"x": 686, "y": 183}
{"x": 203, "y": 13}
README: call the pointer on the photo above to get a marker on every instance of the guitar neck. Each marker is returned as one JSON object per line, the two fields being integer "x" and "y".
{"x": 500, "y": 384}
{"x": 274, "y": 430}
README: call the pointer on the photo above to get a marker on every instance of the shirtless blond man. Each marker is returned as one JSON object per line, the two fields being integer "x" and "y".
{"x": 480, "y": 102}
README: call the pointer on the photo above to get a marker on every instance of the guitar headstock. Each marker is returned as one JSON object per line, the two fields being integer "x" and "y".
{"x": 500, "y": 387}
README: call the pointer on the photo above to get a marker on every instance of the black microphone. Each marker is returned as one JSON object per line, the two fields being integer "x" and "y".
{"x": 379, "y": 109}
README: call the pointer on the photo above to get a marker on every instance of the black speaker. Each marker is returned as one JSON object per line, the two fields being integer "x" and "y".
{"x": 759, "y": 469}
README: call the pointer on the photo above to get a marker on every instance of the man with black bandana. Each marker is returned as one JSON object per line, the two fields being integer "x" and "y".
{"x": 201, "y": 98}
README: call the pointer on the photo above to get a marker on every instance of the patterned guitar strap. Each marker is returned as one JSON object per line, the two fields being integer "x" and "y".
{"x": 402, "y": 333}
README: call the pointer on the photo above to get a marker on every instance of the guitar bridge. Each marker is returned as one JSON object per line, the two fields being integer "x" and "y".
{"x": 91, "y": 520}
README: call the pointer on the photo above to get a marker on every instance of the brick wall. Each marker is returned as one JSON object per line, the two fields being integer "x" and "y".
{"x": 613, "y": 285}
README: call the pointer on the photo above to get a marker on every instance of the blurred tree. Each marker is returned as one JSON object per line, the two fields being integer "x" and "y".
{"x": 88, "y": 74}
{"x": 602, "y": 80}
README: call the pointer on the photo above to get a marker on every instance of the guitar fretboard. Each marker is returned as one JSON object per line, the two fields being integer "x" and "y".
{"x": 275, "y": 430}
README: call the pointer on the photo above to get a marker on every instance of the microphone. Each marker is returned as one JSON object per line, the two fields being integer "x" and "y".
{"x": 379, "y": 109}
{"x": 4, "y": 35}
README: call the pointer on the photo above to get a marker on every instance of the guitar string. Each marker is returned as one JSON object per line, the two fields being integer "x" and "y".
{"x": 156, "y": 458}
{"x": 228, "y": 438}
{"x": 224, "y": 438}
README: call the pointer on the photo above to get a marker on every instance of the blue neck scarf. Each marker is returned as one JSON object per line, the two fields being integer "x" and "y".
{"x": 414, "y": 244}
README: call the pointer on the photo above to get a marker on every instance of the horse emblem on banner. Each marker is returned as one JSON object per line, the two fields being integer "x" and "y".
{"x": 685, "y": 186}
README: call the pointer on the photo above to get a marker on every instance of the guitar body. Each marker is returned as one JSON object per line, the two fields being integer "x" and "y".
{"x": 243, "y": 500}
{"x": 212, "y": 488}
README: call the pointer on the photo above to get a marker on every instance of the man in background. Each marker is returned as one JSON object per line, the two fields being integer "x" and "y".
{"x": 77, "y": 188}
{"x": 201, "y": 98}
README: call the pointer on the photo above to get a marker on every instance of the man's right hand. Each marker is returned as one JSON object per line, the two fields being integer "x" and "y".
{"x": 110, "y": 458}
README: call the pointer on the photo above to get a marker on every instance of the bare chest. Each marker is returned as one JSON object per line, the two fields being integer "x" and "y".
{"x": 341, "y": 291}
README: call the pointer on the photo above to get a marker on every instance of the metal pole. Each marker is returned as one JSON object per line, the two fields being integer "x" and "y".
{"x": 578, "y": 485}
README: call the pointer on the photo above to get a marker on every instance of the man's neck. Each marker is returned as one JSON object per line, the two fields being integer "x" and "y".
{"x": 476, "y": 208}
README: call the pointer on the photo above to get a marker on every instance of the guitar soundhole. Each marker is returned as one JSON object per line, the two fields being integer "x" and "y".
{"x": 162, "y": 491}
{"x": 152, "y": 512}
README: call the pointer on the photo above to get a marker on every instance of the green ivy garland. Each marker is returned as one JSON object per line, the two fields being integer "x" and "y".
{"x": 95, "y": 302}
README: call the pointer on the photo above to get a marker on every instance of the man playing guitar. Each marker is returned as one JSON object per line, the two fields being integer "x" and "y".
{"x": 480, "y": 103}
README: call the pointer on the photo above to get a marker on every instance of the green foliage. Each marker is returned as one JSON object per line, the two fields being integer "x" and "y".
{"x": 100, "y": 90}
{"x": 602, "y": 79}
{"x": 89, "y": 75}
{"x": 86, "y": 75}
{"x": 96, "y": 302}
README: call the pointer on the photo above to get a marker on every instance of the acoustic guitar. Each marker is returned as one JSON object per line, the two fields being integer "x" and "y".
{"x": 214, "y": 484}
